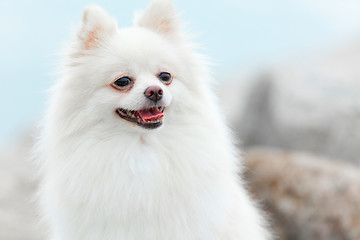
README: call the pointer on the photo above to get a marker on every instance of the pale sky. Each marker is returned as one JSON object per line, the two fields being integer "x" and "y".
{"x": 234, "y": 33}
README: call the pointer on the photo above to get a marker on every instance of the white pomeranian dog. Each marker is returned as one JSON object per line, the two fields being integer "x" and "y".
{"x": 134, "y": 145}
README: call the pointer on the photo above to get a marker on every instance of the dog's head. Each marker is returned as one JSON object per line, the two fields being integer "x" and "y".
{"x": 135, "y": 77}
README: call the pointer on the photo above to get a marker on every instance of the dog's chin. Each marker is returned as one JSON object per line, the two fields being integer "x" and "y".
{"x": 149, "y": 118}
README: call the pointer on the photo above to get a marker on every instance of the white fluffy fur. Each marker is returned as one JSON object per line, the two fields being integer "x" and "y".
{"x": 104, "y": 178}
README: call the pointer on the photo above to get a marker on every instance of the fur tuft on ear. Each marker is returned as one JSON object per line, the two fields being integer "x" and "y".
{"x": 96, "y": 25}
{"x": 159, "y": 16}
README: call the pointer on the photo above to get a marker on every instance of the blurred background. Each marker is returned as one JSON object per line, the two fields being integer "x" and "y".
{"x": 289, "y": 74}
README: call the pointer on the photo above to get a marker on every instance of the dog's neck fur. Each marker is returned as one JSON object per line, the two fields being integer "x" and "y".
{"x": 155, "y": 174}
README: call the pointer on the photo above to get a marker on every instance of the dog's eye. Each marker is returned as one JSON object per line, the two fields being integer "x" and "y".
{"x": 165, "y": 77}
{"x": 122, "y": 83}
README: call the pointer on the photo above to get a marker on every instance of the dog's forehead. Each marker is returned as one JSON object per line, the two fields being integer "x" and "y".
{"x": 143, "y": 40}
{"x": 141, "y": 48}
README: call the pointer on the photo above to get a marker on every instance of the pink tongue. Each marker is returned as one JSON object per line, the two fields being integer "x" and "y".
{"x": 150, "y": 114}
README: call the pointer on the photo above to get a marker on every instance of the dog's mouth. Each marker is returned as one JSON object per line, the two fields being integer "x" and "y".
{"x": 149, "y": 118}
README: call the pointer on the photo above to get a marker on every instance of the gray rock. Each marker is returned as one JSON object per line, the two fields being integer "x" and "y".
{"x": 18, "y": 183}
{"x": 312, "y": 106}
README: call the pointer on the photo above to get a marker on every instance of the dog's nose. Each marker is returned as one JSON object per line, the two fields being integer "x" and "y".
{"x": 154, "y": 93}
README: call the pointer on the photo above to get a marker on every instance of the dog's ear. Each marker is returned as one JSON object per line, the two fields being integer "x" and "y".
{"x": 159, "y": 16}
{"x": 96, "y": 26}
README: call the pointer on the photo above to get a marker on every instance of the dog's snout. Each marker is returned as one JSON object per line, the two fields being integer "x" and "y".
{"x": 154, "y": 93}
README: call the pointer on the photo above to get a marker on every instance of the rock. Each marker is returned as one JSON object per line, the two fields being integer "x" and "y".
{"x": 307, "y": 105}
{"x": 308, "y": 197}
{"x": 18, "y": 219}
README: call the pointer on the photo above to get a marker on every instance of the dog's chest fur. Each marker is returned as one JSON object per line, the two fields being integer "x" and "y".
{"x": 146, "y": 189}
